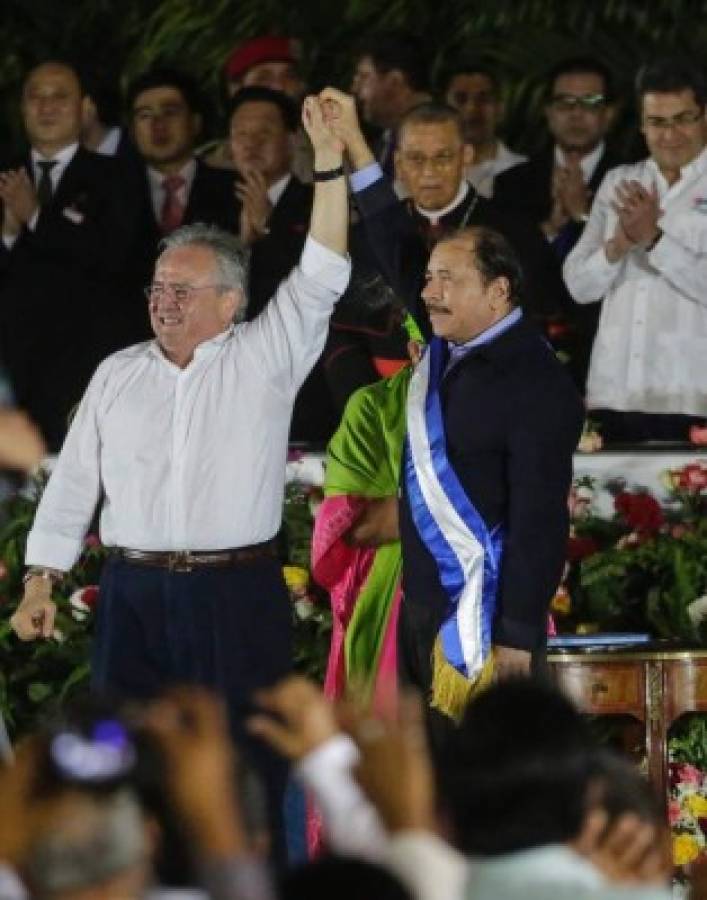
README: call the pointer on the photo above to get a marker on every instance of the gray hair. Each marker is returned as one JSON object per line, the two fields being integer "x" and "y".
{"x": 232, "y": 256}
{"x": 93, "y": 839}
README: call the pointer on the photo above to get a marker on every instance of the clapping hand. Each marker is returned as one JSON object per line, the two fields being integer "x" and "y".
{"x": 638, "y": 211}
{"x": 20, "y": 198}
{"x": 252, "y": 191}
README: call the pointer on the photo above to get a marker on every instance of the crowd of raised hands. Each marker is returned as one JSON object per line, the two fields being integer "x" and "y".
{"x": 113, "y": 805}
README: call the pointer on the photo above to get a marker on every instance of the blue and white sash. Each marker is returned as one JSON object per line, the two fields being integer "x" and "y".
{"x": 467, "y": 553}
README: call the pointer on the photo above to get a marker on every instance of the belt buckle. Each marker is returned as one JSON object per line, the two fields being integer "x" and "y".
{"x": 181, "y": 561}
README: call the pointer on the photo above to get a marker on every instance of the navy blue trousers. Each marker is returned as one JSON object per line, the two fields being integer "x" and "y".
{"x": 227, "y": 629}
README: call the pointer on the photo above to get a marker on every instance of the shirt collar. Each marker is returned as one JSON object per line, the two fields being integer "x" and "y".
{"x": 434, "y": 215}
{"x": 276, "y": 190}
{"x": 205, "y": 348}
{"x": 109, "y": 144}
{"x": 693, "y": 169}
{"x": 587, "y": 163}
{"x": 459, "y": 351}
{"x": 63, "y": 157}
{"x": 188, "y": 172}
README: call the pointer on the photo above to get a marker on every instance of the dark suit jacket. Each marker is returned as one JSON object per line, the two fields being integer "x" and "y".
{"x": 398, "y": 237}
{"x": 526, "y": 190}
{"x": 66, "y": 289}
{"x": 512, "y": 420}
{"x": 275, "y": 255}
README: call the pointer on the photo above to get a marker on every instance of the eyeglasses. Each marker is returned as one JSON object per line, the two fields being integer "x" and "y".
{"x": 569, "y": 102}
{"x": 438, "y": 162}
{"x": 681, "y": 120}
{"x": 182, "y": 293}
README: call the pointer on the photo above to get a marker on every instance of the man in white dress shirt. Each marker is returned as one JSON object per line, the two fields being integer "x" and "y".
{"x": 183, "y": 439}
{"x": 644, "y": 250}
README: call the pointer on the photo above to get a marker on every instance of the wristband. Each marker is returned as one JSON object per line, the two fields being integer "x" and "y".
{"x": 655, "y": 240}
{"x": 328, "y": 174}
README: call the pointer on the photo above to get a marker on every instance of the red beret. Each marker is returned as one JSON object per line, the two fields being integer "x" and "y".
{"x": 260, "y": 50}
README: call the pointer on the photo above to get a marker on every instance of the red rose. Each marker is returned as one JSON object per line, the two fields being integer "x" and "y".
{"x": 89, "y": 596}
{"x": 578, "y": 548}
{"x": 640, "y": 512}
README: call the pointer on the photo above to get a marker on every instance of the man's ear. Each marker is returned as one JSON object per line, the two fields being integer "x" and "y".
{"x": 500, "y": 292}
{"x": 233, "y": 305}
{"x": 468, "y": 155}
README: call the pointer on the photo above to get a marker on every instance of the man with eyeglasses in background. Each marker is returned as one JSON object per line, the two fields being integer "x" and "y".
{"x": 166, "y": 119}
{"x": 556, "y": 186}
{"x": 644, "y": 250}
{"x": 475, "y": 91}
{"x": 430, "y": 162}
{"x": 183, "y": 441}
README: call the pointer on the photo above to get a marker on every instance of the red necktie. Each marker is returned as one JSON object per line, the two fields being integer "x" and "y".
{"x": 172, "y": 208}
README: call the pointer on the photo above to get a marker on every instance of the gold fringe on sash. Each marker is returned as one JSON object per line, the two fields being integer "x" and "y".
{"x": 451, "y": 691}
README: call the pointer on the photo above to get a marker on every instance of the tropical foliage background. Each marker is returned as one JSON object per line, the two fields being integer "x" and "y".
{"x": 522, "y": 38}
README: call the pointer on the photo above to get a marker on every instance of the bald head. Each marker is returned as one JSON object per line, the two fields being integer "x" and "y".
{"x": 52, "y": 104}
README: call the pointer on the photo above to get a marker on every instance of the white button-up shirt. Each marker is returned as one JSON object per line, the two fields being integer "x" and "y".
{"x": 650, "y": 351}
{"x": 193, "y": 458}
{"x": 482, "y": 175}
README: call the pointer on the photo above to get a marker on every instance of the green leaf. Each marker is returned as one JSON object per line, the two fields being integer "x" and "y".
{"x": 38, "y": 691}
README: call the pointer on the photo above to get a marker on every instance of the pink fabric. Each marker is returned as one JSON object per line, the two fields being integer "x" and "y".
{"x": 342, "y": 570}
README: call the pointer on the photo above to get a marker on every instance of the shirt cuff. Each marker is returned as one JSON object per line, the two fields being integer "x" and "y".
{"x": 9, "y": 240}
{"x": 365, "y": 177}
{"x": 339, "y": 752}
{"x": 322, "y": 265}
{"x": 52, "y": 550}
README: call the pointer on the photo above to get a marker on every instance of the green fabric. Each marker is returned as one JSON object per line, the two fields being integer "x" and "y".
{"x": 363, "y": 459}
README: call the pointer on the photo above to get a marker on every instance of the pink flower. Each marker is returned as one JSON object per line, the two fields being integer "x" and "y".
{"x": 92, "y": 540}
{"x": 674, "y": 812}
{"x": 688, "y": 774}
{"x": 698, "y": 434}
{"x": 693, "y": 477}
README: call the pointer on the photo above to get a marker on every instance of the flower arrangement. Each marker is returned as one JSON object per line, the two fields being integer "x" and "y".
{"x": 643, "y": 569}
{"x": 687, "y": 803}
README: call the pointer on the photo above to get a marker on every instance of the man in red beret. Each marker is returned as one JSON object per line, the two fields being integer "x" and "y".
{"x": 269, "y": 61}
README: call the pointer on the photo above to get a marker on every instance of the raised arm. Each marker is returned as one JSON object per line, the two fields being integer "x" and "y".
{"x": 329, "y": 222}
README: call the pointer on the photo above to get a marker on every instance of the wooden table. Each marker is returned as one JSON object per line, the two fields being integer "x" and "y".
{"x": 654, "y": 685}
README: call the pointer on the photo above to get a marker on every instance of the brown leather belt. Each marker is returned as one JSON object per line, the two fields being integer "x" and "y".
{"x": 188, "y": 560}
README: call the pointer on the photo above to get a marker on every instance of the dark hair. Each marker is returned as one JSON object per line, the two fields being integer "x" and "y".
{"x": 165, "y": 77}
{"x": 432, "y": 113}
{"x": 469, "y": 67}
{"x": 398, "y": 50}
{"x": 670, "y": 75}
{"x": 517, "y": 770}
{"x": 494, "y": 257}
{"x": 343, "y": 878}
{"x": 581, "y": 65}
{"x": 619, "y": 788}
{"x": 102, "y": 88}
{"x": 257, "y": 94}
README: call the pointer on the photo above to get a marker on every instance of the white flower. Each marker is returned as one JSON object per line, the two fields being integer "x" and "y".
{"x": 697, "y": 610}
{"x": 304, "y": 608}
{"x": 79, "y": 609}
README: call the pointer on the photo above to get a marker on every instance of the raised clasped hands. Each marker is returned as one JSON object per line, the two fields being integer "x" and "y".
{"x": 328, "y": 147}
{"x": 252, "y": 192}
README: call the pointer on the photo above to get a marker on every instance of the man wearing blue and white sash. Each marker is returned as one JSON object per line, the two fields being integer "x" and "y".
{"x": 492, "y": 423}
